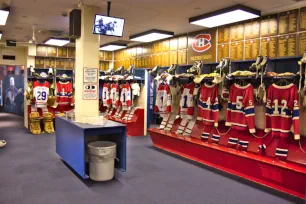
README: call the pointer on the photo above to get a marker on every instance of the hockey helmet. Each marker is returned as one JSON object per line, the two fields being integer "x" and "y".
{"x": 12, "y": 81}
{"x": 43, "y": 75}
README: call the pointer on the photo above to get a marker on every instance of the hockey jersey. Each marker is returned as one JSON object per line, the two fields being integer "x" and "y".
{"x": 163, "y": 100}
{"x": 208, "y": 111}
{"x": 114, "y": 95}
{"x": 41, "y": 93}
{"x": 106, "y": 101}
{"x": 64, "y": 93}
{"x": 282, "y": 110}
{"x": 187, "y": 102}
{"x": 125, "y": 96}
{"x": 240, "y": 110}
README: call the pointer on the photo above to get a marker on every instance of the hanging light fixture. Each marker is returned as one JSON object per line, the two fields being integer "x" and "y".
{"x": 112, "y": 46}
{"x": 225, "y": 16}
{"x": 151, "y": 35}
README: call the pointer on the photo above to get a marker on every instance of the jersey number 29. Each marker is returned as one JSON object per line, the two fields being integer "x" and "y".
{"x": 41, "y": 95}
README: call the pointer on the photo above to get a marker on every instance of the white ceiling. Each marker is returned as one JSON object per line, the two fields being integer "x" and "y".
{"x": 140, "y": 15}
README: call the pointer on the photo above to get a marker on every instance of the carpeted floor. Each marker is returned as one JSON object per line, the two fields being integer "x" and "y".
{"x": 31, "y": 172}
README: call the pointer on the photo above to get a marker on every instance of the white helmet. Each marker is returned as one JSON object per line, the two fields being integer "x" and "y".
{"x": 12, "y": 81}
{"x": 43, "y": 75}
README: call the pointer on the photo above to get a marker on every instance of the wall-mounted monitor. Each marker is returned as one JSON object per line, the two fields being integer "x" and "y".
{"x": 107, "y": 25}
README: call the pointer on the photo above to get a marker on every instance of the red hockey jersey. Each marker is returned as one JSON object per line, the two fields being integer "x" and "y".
{"x": 64, "y": 93}
{"x": 125, "y": 96}
{"x": 240, "y": 110}
{"x": 41, "y": 93}
{"x": 106, "y": 101}
{"x": 163, "y": 100}
{"x": 187, "y": 102}
{"x": 114, "y": 95}
{"x": 208, "y": 111}
{"x": 282, "y": 110}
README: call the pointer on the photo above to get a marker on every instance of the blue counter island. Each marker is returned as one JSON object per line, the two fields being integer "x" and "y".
{"x": 72, "y": 139}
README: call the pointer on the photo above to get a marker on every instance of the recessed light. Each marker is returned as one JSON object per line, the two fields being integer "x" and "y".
{"x": 112, "y": 46}
{"x": 57, "y": 41}
{"x": 3, "y": 16}
{"x": 225, "y": 16}
{"x": 151, "y": 35}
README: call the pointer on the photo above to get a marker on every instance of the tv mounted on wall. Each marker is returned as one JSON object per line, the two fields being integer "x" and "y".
{"x": 107, "y": 25}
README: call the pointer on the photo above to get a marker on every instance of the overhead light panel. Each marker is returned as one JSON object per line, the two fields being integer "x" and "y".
{"x": 151, "y": 35}
{"x": 57, "y": 41}
{"x": 225, "y": 16}
{"x": 112, "y": 47}
{"x": 3, "y": 15}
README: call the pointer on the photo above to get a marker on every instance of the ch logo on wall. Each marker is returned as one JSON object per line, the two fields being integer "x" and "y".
{"x": 201, "y": 42}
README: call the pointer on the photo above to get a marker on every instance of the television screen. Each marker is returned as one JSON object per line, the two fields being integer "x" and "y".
{"x": 107, "y": 25}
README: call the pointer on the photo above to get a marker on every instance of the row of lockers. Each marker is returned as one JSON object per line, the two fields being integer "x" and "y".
{"x": 149, "y": 61}
{"x": 173, "y": 44}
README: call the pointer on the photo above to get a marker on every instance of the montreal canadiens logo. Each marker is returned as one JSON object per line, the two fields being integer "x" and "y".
{"x": 201, "y": 42}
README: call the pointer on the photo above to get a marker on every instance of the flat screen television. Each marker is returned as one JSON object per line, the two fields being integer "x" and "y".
{"x": 107, "y": 25}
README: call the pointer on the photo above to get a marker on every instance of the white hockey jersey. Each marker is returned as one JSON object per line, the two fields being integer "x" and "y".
{"x": 163, "y": 100}
{"x": 125, "y": 97}
{"x": 187, "y": 102}
{"x": 114, "y": 95}
{"x": 106, "y": 101}
{"x": 41, "y": 93}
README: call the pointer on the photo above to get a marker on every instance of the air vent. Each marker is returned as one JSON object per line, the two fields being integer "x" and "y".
{"x": 8, "y": 57}
{"x": 53, "y": 33}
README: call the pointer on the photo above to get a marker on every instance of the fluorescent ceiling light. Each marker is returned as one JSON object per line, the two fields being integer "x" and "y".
{"x": 3, "y": 16}
{"x": 225, "y": 16}
{"x": 112, "y": 47}
{"x": 56, "y": 41}
{"x": 151, "y": 35}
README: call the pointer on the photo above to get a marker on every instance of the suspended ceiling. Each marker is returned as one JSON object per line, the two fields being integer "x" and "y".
{"x": 140, "y": 15}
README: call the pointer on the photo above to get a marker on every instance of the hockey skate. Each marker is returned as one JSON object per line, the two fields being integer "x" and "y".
{"x": 154, "y": 71}
{"x": 130, "y": 70}
{"x": 48, "y": 122}
{"x": 35, "y": 123}
{"x": 109, "y": 71}
{"x": 263, "y": 65}
{"x": 119, "y": 71}
{"x": 196, "y": 68}
{"x": 256, "y": 63}
{"x": 220, "y": 65}
{"x": 226, "y": 66}
{"x": 172, "y": 69}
